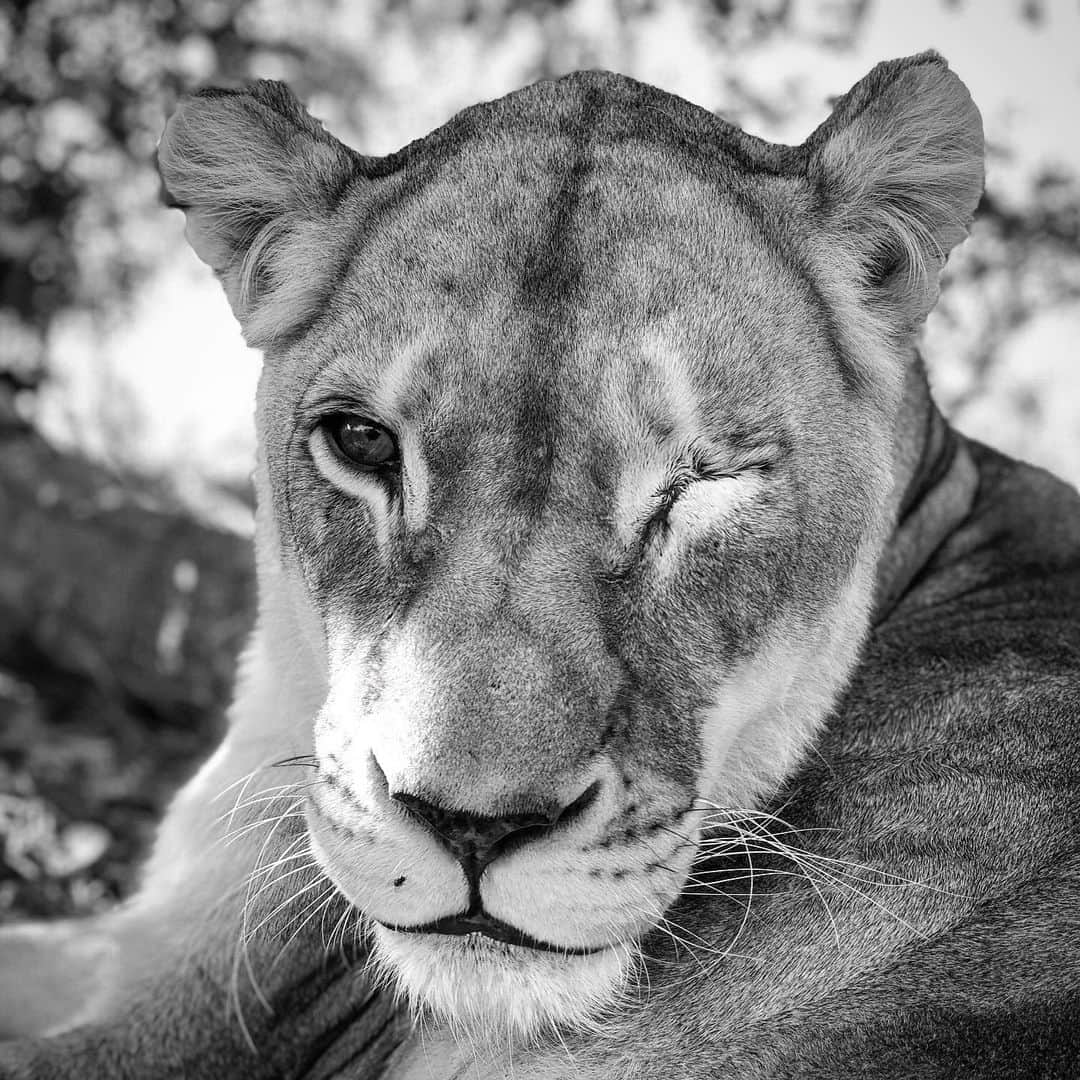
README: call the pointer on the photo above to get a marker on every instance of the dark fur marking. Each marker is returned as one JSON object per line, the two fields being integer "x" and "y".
{"x": 549, "y": 282}
{"x": 337, "y": 782}
{"x": 379, "y": 205}
{"x": 323, "y": 1047}
{"x": 851, "y": 375}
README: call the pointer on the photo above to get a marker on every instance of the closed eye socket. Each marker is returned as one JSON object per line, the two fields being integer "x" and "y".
{"x": 666, "y": 497}
{"x": 696, "y": 468}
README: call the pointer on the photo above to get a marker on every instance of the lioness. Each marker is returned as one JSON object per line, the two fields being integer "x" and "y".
{"x": 647, "y": 681}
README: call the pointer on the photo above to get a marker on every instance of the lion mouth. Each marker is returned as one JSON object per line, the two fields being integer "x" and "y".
{"x": 480, "y": 922}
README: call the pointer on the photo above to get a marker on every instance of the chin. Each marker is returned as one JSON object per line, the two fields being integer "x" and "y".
{"x": 491, "y": 991}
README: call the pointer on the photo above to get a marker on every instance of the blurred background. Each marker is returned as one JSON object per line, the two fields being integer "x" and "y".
{"x": 126, "y": 391}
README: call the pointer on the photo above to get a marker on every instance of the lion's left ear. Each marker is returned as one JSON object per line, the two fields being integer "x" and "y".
{"x": 897, "y": 171}
{"x": 259, "y": 181}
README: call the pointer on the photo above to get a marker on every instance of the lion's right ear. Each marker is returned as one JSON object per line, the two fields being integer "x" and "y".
{"x": 260, "y": 182}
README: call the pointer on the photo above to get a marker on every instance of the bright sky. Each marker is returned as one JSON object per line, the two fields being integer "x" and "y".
{"x": 182, "y": 364}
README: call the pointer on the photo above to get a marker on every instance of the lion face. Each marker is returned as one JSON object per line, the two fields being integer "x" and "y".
{"x": 578, "y": 470}
{"x": 617, "y": 544}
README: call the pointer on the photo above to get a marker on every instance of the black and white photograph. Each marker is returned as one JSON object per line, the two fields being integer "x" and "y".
{"x": 539, "y": 540}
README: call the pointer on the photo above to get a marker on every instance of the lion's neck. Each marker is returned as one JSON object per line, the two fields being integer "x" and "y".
{"x": 934, "y": 487}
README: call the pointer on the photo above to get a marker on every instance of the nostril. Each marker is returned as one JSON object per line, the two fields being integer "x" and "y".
{"x": 478, "y": 837}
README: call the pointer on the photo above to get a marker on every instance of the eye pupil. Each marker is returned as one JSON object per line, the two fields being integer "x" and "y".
{"x": 362, "y": 441}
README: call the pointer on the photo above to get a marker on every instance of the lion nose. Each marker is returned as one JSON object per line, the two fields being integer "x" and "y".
{"x": 475, "y": 839}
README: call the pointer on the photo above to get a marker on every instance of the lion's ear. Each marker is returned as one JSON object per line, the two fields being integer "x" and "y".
{"x": 259, "y": 181}
{"x": 897, "y": 171}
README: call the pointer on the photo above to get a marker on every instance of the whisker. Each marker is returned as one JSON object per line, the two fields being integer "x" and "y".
{"x": 233, "y": 836}
{"x": 291, "y": 899}
{"x": 744, "y": 833}
{"x": 242, "y": 955}
{"x": 246, "y": 778}
{"x": 303, "y": 760}
{"x": 269, "y": 795}
{"x": 314, "y": 907}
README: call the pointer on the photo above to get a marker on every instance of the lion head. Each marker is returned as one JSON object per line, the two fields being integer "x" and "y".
{"x": 576, "y": 459}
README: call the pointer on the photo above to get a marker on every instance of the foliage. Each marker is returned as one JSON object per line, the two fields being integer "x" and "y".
{"x": 81, "y": 104}
{"x": 1019, "y": 261}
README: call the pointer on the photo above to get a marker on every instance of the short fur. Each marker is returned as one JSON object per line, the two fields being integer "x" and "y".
{"x": 679, "y": 542}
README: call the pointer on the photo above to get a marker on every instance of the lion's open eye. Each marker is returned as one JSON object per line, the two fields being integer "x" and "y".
{"x": 361, "y": 441}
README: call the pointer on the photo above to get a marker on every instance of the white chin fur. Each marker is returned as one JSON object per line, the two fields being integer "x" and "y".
{"x": 490, "y": 991}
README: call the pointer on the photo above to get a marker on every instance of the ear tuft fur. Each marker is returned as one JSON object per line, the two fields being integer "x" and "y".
{"x": 259, "y": 180}
{"x": 898, "y": 171}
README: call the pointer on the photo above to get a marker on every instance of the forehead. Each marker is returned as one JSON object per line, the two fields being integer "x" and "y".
{"x": 594, "y": 242}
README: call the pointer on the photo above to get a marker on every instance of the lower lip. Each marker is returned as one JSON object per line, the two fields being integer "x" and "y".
{"x": 524, "y": 942}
